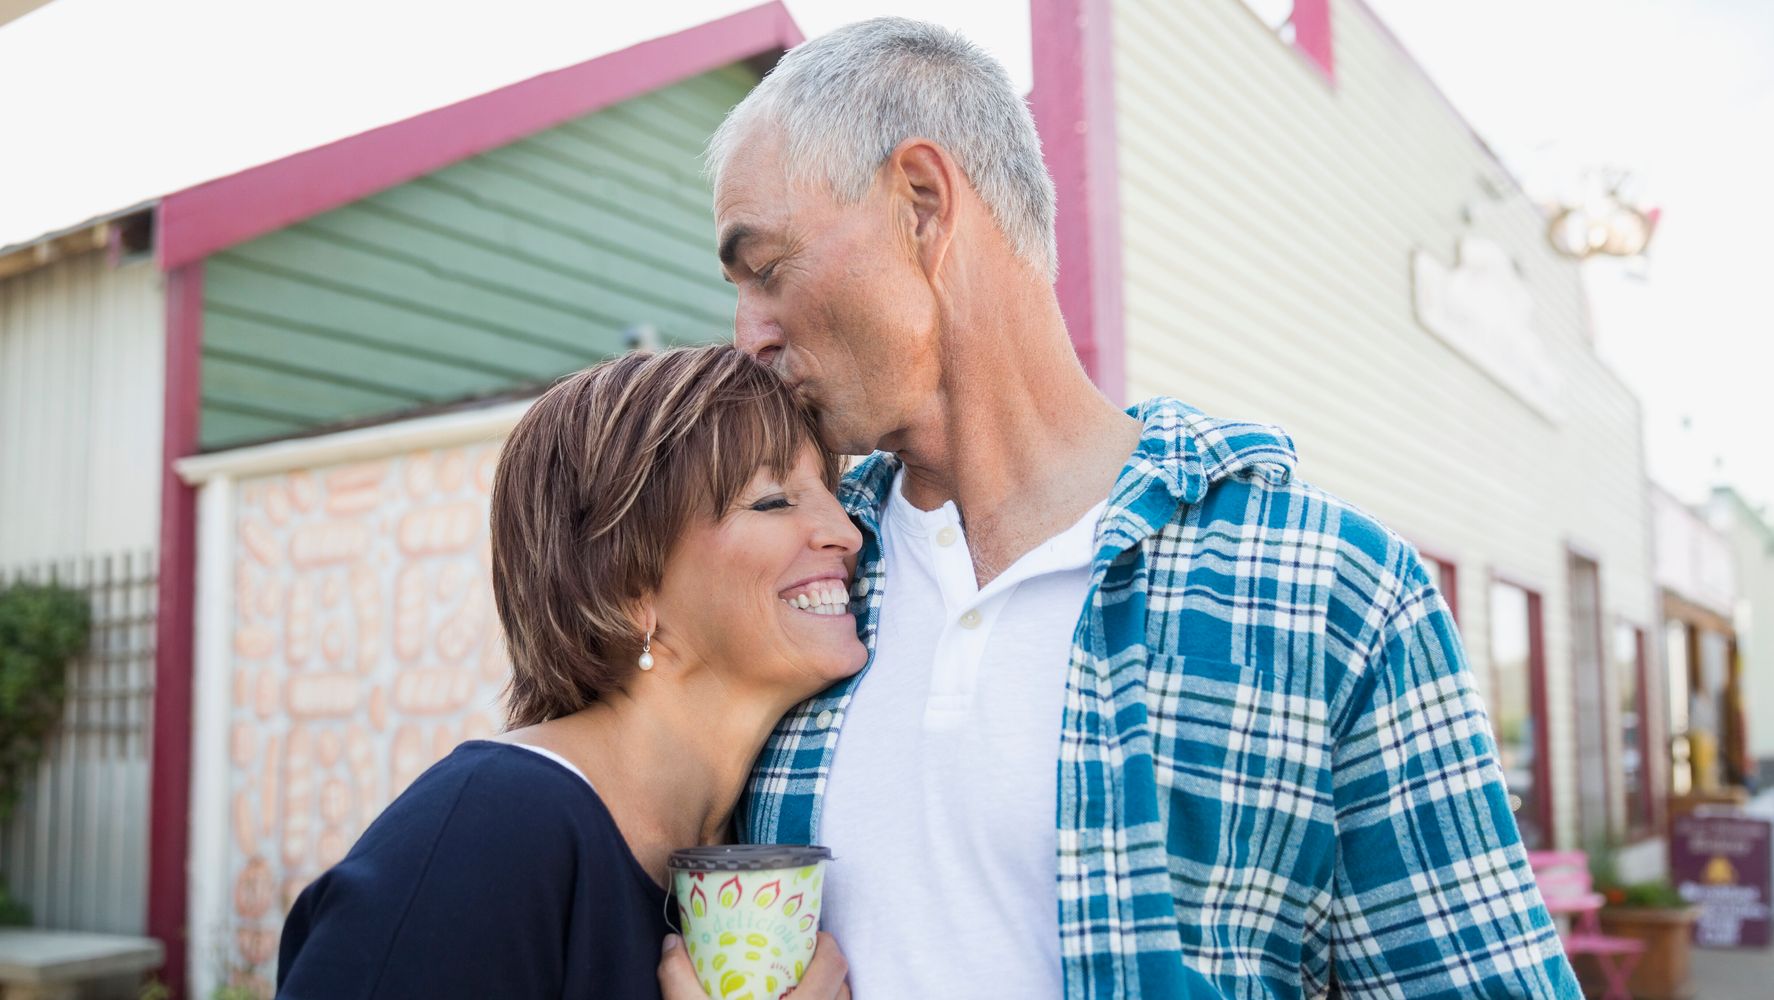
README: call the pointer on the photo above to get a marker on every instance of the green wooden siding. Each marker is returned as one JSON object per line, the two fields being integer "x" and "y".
{"x": 502, "y": 271}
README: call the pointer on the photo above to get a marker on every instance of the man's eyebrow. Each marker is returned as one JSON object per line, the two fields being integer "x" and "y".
{"x": 730, "y": 244}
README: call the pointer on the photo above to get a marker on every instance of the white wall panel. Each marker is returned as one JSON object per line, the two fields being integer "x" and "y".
{"x": 81, "y": 362}
{"x": 1269, "y": 220}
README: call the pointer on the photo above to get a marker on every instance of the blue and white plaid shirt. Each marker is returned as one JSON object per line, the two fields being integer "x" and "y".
{"x": 1273, "y": 766}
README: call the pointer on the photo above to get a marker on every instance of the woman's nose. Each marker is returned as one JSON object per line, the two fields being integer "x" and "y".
{"x": 836, "y": 531}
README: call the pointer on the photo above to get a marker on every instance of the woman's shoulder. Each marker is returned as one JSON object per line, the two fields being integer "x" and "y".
{"x": 464, "y": 885}
{"x": 527, "y": 800}
{"x": 483, "y": 777}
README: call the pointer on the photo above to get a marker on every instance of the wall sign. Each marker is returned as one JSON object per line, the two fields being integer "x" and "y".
{"x": 1722, "y": 863}
{"x": 1482, "y": 308}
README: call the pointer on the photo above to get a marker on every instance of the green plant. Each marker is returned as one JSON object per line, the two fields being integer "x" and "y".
{"x": 42, "y": 628}
{"x": 1604, "y": 874}
{"x": 12, "y": 912}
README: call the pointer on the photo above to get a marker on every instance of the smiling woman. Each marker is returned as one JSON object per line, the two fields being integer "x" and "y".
{"x": 672, "y": 570}
{"x": 602, "y": 480}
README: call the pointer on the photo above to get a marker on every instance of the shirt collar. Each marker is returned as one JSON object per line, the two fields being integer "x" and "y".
{"x": 1182, "y": 452}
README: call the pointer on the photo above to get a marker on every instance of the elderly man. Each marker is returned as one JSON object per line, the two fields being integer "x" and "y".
{"x": 1145, "y": 715}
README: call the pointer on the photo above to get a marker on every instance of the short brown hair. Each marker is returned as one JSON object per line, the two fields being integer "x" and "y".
{"x": 596, "y": 484}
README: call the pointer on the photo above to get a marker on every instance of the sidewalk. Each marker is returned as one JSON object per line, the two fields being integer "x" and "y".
{"x": 1733, "y": 975}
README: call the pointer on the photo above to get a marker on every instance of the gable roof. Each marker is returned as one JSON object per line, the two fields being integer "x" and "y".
{"x": 201, "y": 220}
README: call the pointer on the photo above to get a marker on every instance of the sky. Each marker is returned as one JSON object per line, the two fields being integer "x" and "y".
{"x": 139, "y": 98}
{"x": 1681, "y": 94}
{"x": 1678, "y": 92}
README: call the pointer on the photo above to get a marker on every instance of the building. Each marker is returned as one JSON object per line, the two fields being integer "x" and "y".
{"x": 343, "y": 335}
{"x": 1697, "y": 584}
{"x": 284, "y": 388}
{"x": 1275, "y": 215}
{"x": 1750, "y": 535}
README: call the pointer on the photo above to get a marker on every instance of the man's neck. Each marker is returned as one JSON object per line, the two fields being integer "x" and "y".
{"x": 1019, "y": 438}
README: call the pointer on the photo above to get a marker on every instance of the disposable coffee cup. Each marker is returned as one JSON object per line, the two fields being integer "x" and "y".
{"x": 749, "y": 914}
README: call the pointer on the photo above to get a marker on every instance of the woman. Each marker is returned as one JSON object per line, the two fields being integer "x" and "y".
{"x": 672, "y": 572}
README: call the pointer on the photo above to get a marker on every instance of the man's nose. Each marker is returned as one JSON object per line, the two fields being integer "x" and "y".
{"x": 755, "y": 331}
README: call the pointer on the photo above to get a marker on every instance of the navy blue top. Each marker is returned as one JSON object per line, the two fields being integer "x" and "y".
{"x": 499, "y": 873}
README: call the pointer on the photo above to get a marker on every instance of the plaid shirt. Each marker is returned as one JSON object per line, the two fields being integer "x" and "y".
{"x": 1273, "y": 767}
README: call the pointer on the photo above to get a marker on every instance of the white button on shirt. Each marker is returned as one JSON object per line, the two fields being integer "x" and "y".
{"x": 941, "y": 799}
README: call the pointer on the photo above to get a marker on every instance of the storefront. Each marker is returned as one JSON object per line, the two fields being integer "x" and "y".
{"x": 1697, "y": 580}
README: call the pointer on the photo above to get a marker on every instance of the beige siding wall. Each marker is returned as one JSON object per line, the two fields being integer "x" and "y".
{"x": 81, "y": 361}
{"x": 1269, "y": 220}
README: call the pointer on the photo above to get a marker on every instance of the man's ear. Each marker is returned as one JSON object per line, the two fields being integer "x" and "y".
{"x": 928, "y": 183}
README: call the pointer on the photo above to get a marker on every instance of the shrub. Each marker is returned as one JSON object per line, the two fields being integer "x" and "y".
{"x": 42, "y": 628}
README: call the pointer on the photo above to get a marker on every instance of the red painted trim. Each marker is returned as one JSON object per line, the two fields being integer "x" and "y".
{"x": 1073, "y": 101}
{"x": 1604, "y": 665}
{"x": 1537, "y": 705}
{"x": 1647, "y": 785}
{"x": 170, "y": 778}
{"x": 1450, "y": 577}
{"x": 1312, "y": 35}
{"x": 201, "y": 220}
{"x": 1542, "y": 717}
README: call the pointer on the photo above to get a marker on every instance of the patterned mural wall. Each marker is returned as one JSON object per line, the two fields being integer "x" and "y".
{"x": 365, "y": 648}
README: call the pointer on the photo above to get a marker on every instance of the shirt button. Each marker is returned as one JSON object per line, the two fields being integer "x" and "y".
{"x": 825, "y": 719}
{"x": 946, "y": 537}
{"x": 861, "y": 587}
{"x": 970, "y": 620}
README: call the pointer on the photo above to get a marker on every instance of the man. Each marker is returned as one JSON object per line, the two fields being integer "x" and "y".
{"x": 1145, "y": 715}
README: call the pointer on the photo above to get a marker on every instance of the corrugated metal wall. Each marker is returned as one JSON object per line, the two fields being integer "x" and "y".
{"x": 509, "y": 268}
{"x": 81, "y": 355}
{"x": 1269, "y": 220}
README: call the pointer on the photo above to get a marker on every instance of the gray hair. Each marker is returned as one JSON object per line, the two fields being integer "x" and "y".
{"x": 843, "y": 101}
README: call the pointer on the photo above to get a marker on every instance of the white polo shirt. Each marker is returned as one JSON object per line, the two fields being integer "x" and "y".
{"x": 942, "y": 799}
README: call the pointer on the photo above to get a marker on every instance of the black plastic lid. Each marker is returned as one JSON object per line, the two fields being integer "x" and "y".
{"x": 747, "y": 857}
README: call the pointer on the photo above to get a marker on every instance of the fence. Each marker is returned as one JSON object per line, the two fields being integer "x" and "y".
{"x": 75, "y": 850}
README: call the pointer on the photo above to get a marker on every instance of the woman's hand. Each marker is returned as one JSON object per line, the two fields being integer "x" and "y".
{"x": 824, "y": 979}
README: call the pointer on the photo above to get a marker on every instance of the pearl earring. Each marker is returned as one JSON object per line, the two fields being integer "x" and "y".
{"x": 646, "y": 660}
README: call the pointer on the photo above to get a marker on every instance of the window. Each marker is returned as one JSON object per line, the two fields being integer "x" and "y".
{"x": 1303, "y": 24}
{"x": 1635, "y": 736}
{"x": 1515, "y": 700}
{"x": 1676, "y": 663}
{"x": 1277, "y": 14}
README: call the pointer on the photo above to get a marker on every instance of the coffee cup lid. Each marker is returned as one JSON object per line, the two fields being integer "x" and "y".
{"x": 747, "y": 857}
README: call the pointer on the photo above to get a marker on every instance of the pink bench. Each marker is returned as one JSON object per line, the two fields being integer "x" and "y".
{"x": 1565, "y": 886}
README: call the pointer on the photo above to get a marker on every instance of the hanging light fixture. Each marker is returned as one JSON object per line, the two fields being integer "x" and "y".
{"x": 1605, "y": 225}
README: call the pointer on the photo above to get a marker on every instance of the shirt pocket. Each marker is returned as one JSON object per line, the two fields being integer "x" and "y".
{"x": 1228, "y": 733}
{"x": 1243, "y": 794}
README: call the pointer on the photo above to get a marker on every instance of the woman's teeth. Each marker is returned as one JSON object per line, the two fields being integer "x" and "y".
{"x": 822, "y": 601}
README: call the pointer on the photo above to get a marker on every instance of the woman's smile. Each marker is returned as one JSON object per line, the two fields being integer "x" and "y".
{"x": 826, "y": 597}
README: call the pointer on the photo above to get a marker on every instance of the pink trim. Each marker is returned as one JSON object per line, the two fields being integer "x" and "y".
{"x": 1537, "y": 704}
{"x": 1312, "y": 35}
{"x": 170, "y": 777}
{"x": 1647, "y": 789}
{"x": 1074, "y": 106}
{"x": 199, "y": 221}
{"x": 1604, "y": 665}
{"x": 1450, "y": 578}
